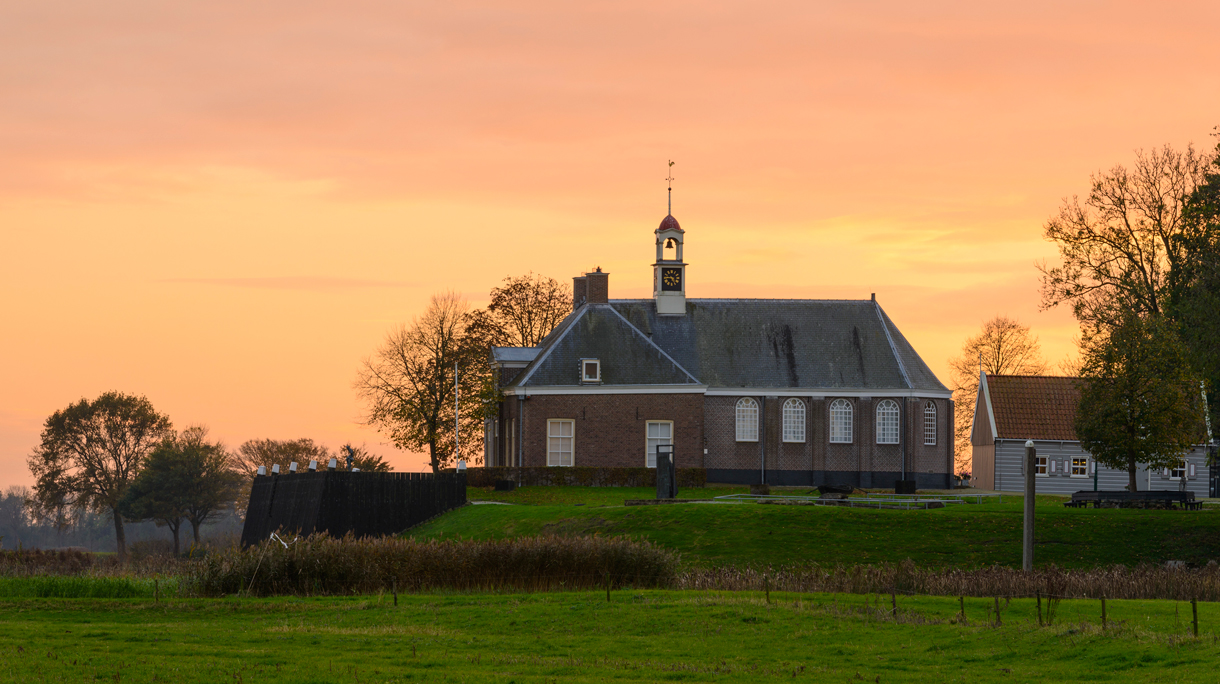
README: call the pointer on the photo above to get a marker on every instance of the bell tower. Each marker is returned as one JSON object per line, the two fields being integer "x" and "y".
{"x": 669, "y": 271}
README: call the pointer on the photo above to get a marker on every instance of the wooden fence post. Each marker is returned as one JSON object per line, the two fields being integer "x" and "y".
{"x": 1103, "y": 612}
{"x": 998, "y": 621}
{"x": 961, "y": 600}
{"x": 1039, "y": 595}
{"x": 893, "y": 604}
{"x": 1194, "y": 609}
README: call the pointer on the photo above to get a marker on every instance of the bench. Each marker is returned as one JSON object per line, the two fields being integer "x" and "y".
{"x": 1124, "y": 499}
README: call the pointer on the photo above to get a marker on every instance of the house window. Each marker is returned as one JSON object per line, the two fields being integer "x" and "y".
{"x": 929, "y": 424}
{"x": 1040, "y": 466}
{"x": 747, "y": 420}
{"x": 590, "y": 370}
{"x": 1178, "y": 471}
{"x": 659, "y": 432}
{"x": 1080, "y": 467}
{"x": 560, "y": 437}
{"x": 840, "y": 422}
{"x": 887, "y": 422}
{"x": 794, "y": 420}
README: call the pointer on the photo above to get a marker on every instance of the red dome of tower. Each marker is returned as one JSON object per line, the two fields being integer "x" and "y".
{"x": 670, "y": 223}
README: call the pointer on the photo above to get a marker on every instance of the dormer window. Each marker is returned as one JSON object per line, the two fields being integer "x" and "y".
{"x": 590, "y": 370}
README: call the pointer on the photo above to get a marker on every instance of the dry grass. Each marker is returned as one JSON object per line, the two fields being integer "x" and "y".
{"x": 320, "y": 565}
{"x": 1116, "y": 582}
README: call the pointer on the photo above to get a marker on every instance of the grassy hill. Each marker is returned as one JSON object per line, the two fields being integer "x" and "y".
{"x": 959, "y": 536}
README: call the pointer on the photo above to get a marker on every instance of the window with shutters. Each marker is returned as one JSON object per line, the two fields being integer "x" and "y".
{"x": 794, "y": 420}
{"x": 840, "y": 422}
{"x": 929, "y": 424}
{"x": 747, "y": 420}
{"x": 658, "y": 432}
{"x": 1179, "y": 470}
{"x": 560, "y": 441}
{"x": 1080, "y": 467}
{"x": 887, "y": 422}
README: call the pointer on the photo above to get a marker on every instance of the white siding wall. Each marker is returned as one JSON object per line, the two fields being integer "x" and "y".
{"x": 1009, "y": 476}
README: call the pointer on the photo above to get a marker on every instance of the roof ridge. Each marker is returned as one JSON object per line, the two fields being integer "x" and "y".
{"x": 893, "y": 348}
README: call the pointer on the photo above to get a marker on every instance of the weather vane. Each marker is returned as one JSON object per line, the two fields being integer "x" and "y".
{"x": 670, "y": 180}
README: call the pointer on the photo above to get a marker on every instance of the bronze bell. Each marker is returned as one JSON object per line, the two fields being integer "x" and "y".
{"x": 669, "y": 243}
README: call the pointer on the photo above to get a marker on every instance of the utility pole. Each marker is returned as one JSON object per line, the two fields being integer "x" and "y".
{"x": 1027, "y": 540}
{"x": 456, "y": 452}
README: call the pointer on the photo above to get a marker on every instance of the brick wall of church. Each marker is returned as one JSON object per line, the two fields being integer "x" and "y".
{"x": 610, "y": 429}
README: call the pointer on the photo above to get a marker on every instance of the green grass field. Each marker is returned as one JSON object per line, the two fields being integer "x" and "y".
{"x": 639, "y": 636}
{"x": 970, "y": 535}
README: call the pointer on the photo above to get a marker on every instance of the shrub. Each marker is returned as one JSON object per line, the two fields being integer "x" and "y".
{"x": 581, "y": 476}
{"x": 321, "y": 565}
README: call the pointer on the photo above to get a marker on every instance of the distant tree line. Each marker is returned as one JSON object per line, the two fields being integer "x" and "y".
{"x": 118, "y": 457}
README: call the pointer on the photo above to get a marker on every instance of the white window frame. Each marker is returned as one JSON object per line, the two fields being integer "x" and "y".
{"x": 929, "y": 424}
{"x": 1042, "y": 466}
{"x": 551, "y": 460}
{"x": 842, "y": 415}
{"x": 584, "y": 377}
{"x": 650, "y": 442}
{"x": 794, "y": 421}
{"x": 747, "y": 419}
{"x": 1182, "y": 466}
{"x": 887, "y": 432}
{"x": 1081, "y": 463}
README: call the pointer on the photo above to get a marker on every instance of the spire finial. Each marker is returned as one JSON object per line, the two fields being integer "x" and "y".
{"x": 670, "y": 180}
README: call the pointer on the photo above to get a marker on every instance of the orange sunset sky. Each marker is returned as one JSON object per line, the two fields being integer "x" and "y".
{"x": 224, "y": 206}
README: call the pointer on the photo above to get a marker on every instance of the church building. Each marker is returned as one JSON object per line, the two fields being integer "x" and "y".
{"x": 778, "y": 391}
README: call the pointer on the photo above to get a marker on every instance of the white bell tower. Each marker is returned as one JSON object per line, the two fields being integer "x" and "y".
{"x": 669, "y": 271}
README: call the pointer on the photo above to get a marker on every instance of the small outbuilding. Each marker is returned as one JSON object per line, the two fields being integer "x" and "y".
{"x": 1011, "y": 409}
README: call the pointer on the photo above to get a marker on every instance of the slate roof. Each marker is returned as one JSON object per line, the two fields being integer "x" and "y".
{"x": 1034, "y": 406}
{"x": 515, "y": 354}
{"x": 597, "y": 331}
{"x": 808, "y": 344}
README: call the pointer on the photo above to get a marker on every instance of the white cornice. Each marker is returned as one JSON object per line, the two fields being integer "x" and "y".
{"x": 725, "y": 391}
{"x": 605, "y": 389}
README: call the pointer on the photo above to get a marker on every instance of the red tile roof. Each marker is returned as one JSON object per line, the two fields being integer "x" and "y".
{"x": 1034, "y": 406}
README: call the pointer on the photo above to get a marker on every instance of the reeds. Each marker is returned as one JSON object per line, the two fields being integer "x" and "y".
{"x": 33, "y": 562}
{"x": 1118, "y": 582}
{"x": 320, "y": 565}
{"x": 82, "y": 586}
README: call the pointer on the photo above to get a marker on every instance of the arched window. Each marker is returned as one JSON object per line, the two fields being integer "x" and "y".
{"x": 840, "y": 422}
{"x": 929, "y": 424}
{"x": 887, "y": 422}
{"x": 747, "y": 420}
{"x": 794, "y": 420}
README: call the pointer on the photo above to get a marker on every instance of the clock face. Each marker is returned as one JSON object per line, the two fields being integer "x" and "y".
{"x": 671, "y": 279}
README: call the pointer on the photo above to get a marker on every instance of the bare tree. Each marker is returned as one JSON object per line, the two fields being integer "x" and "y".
{"x": 1119, "y": 244}
{"x": 525, "y": 308}
{"x": 409, "y": 383}
{"x": 1002, "y": 347}
{"x": 91, "y": 451}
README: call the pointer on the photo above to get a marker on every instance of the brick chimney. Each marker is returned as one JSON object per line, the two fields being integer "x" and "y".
{"x": 579, "y": 292}
{"x": 597, "y": 287}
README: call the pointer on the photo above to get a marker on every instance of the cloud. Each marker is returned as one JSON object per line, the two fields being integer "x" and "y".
{"x": 294, "y": 282}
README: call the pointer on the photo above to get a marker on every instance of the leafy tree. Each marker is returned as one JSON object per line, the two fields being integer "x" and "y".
{"x": 365, "y": 460}
{"x": 92, "y": 450}
{"x": 186, "y": 478}
{"x": 1002, "y": 347}
{"x": 1139, "y": 403}
{"x": 159, "y": 492}
{"x": 523, "y": 311}
{"x": 1195, "y": 283}
{"x": 408, "y": 384}
{"x": 1119, "y": 245}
